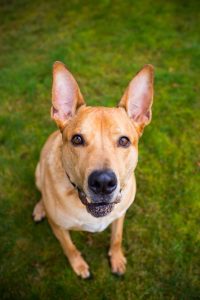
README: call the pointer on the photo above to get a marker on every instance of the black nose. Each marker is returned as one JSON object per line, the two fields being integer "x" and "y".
{"x": 102, "y": 182}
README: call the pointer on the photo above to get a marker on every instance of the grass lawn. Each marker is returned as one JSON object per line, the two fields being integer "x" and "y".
{"x": 104, "y": 44}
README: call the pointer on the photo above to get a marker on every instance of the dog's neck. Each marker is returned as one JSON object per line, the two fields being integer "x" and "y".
{"x": 74, "y": 185}
{"x": 81, "y": 193}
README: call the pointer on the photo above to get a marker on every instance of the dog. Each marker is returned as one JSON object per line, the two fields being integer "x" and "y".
{"x": 86, "y": 168}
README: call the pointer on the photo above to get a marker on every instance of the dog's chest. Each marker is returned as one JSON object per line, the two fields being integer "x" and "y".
{"x": 76, "y": 217}
{"x": 95, "y": 226}
{"x": 84, "y": 221}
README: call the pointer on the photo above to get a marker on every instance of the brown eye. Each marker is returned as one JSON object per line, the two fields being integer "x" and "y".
{"x": 124, "y": 141}
{"x": 77, "y": 140}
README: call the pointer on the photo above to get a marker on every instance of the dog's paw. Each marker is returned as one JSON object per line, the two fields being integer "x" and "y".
{"x": 118, "y": 262}
{"x": 38, "y": 212}
{"x": 80, "y": 266}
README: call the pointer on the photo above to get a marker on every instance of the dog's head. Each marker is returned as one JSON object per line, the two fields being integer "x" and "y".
{"x": 100, "y": 144}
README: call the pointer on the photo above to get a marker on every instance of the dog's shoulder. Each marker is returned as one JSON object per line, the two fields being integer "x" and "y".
{"x": 50, "y": 158}
{"x": 52, "y": 144}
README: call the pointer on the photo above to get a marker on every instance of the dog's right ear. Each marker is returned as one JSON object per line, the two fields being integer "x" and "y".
{"x": 66, "y": 96}
{"x": 138, "y": 98}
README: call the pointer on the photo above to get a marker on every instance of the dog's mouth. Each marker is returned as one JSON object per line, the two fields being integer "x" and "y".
{"x": 98, "y": 210}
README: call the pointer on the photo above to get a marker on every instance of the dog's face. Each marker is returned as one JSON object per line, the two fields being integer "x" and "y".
{"x": 100, "y": 151}
{"x": 100, "y": 145}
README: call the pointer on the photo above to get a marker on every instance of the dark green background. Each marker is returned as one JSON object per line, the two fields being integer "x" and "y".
{"x": 103, "y": 43}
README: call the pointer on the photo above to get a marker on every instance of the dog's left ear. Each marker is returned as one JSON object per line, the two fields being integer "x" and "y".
{"x": 138, "y": 97}
{"x": 66, "y": 96}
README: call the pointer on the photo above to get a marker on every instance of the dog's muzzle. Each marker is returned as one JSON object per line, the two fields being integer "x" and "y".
{"x": 98, "y": 210}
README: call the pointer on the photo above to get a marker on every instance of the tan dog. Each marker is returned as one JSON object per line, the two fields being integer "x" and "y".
{"x": 86, "y": 170}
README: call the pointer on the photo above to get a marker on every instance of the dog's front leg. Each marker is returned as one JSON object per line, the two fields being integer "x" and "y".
{"x": 77, "y": 262}
{"x": 117, "y": 259}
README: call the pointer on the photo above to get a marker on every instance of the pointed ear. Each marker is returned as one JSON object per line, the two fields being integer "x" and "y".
{"x": 138, "y": 97}
{"x": 66, "y": 96}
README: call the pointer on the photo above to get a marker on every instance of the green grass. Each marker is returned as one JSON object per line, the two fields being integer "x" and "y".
{"x": 104, "y": 44}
